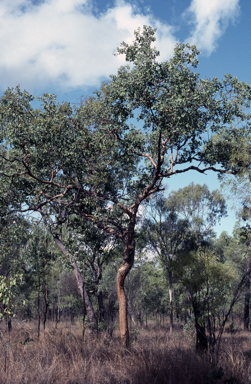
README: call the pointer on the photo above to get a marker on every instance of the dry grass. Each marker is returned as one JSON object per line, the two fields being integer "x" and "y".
{"x": 61, "y": 356}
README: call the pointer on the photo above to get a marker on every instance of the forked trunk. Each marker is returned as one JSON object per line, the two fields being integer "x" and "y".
{"x": 121, "y": 275}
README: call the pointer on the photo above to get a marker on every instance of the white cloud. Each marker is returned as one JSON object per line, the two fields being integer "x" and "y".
{"x": 61, "y": 43}
{"x": 210, "y": 19}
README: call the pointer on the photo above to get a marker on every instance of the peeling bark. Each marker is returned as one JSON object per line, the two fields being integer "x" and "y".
{"x": 123, "y": 321}
{"x": 121, "y": 275}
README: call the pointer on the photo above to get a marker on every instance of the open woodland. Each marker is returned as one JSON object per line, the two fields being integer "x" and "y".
{"x": 105, "y": 276}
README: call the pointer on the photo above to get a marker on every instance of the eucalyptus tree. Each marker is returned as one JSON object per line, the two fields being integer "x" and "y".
{"x": 96, "y": 248}
{"x": 90, "y": 247}
{"x": 201, "y": 208}
{"x": 14, "y": 236}
{"x": 180, "y": 223}
{"x": 238, "y": 250}
{"x": 245, "y": 236}
{"x": 215, "y": 276}
{"x": 166, "y": 236}
{"x": 38, "y": 261}
{"x": 239, "y": 189}
{"x": 93, "y": 161}
{"x": 57, "y": 224}
{"x": 210, "y": 285}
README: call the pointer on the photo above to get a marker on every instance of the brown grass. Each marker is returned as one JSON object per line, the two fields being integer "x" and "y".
{"x": 61, "y": 356}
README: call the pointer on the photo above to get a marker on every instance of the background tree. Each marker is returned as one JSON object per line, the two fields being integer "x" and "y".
{"x": 208, "y": 283}
{"x": 238, "y": 250}
{"x": 14, "y": 235}
{"x": 201, "y": 208}
{"x": 60, "y": 234}
{"x": 97, "y": 247}
{"x": 167, "y": 235}
{"x": 38, "y": 258}
{"x": 246, "y": 238}
{"x": 181, "y": 223}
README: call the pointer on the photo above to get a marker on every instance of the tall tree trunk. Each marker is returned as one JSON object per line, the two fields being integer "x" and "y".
{"x": 247, "y": 298}
{"x": 121, "y": 275}
{"x": 81, "y": 286}
{"x": 46, "y": 305}
{"x": 170, "y": 276}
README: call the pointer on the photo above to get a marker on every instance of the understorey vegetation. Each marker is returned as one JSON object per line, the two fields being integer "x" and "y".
{"x": 60, "y": 356}
{"x": 93, "y": 243}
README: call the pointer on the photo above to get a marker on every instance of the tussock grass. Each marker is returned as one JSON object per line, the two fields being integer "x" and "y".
{"x": 60, "y": 356}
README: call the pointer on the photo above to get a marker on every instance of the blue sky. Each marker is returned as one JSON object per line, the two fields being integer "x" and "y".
{"x": 66, "y": 46}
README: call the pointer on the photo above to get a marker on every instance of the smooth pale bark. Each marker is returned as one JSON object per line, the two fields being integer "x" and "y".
{"x": 170, "y": 283}
{"x": 170, "y": 276}
{"x": 121, "y": 275}
{"x": 81, "y": 285}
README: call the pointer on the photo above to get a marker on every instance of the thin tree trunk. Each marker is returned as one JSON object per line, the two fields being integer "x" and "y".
{"x": 170, "y": 276}
{"x": 247, "y": 298}
{"x": 81, "y": 285}
{"x": 46, "y": 305}
{"x": 121, "y": 275}
{"x": 83, "y": 298}
{"x": 101, "y": 305}
{"x": 7, "y": 355}
{"x": 38, "y": 308}
{"x": 58, "y": 306}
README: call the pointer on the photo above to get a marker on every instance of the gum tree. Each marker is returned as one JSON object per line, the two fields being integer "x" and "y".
{"x": 201, "y": 208}
{"x": 180, "y": 223}
{"x": 95, "y": 163}
{"x": 166, "y": 235}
